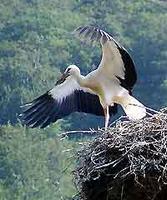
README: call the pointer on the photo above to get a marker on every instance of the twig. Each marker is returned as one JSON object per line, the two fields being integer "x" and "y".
{"x": 68, "y": 133}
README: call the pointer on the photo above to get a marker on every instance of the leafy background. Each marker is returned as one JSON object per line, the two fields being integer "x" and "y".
{"x": 36, "y": 44}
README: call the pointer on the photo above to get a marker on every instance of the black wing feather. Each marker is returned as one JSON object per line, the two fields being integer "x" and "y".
{"x": 51, "y": 110}
{"x": 130, "y": 72}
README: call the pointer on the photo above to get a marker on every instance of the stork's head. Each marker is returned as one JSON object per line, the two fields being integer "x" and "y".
{"x": 71, "y": 70}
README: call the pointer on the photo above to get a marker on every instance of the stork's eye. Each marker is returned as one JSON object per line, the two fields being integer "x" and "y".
{"x": 68, "y": 69}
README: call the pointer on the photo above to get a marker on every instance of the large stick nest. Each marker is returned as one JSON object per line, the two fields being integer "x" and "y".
{"x": 127, "y": 162}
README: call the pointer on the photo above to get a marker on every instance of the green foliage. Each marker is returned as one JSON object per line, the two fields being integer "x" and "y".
{"x": 35, "y": 164}
{"x": 36, "y": 43}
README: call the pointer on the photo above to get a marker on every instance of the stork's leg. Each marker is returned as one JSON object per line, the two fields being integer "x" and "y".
{"x": 107, "y": 116}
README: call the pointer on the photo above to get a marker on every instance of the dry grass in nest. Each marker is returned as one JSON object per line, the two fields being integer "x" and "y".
{"x": 128, "y": 161}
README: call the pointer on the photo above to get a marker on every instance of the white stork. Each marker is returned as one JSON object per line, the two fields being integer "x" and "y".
{"x": 97, "y": 93}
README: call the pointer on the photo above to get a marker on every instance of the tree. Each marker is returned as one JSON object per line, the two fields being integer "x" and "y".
{"x": 35, "y": 164}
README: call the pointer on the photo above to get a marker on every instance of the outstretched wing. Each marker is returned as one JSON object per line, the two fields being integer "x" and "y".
{"x": 59, "y": 102}
{"x": 116, "y": 61}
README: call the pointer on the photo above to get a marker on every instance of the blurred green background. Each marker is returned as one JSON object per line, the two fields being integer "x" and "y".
{"x": 36, "y": 44}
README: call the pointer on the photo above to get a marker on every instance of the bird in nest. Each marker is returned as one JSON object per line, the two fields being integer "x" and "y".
{"x": 98, "y": 93}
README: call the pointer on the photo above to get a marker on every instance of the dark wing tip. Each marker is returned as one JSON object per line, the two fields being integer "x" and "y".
{"x": 34, "y": 114}
{"x": 45, "y": 110}
{"x": 92, "y": 33}
{"x": 130, "y": 71}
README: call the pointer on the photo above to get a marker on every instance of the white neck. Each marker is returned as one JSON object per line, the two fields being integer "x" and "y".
{"x": 80, "y": 79}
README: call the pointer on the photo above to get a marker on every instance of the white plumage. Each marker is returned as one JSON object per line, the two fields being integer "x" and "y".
{"x": 98, "y": 93}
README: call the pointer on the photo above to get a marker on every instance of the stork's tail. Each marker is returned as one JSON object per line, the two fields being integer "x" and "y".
{"x": 133, "y": 108}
